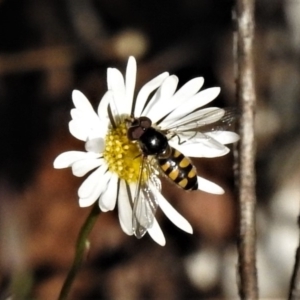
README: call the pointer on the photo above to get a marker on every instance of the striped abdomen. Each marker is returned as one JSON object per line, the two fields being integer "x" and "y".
{"x": 178, "y": 168}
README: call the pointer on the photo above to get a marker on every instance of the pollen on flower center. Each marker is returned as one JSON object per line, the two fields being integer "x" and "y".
{"x": 122, "y": 155}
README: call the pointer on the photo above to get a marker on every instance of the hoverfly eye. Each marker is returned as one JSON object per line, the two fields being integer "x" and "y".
{"x": 134, "y": 133}
{"x": 145, "y": 122}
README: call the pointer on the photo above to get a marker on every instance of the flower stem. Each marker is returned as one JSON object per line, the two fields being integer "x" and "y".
{"x": 81, "y": 246}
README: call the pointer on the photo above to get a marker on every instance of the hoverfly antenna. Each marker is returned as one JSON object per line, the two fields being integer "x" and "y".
{"x": 129, "y": 121}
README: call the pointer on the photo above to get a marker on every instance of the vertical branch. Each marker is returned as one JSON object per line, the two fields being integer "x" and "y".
{"x": 294, "y": 293}
{"x": 248, "y": 288}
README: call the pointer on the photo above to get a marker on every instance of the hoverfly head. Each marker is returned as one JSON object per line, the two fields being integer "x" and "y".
{"x": 137, "y": 127}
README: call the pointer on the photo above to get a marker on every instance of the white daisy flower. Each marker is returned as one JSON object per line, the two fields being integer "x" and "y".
{"x": 116, "y": 153}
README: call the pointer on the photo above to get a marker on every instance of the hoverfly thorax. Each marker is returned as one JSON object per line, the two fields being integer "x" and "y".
{"x": 152, "y": 141}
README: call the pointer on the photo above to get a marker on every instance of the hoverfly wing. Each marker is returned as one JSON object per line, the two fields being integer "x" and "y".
{"x": 207, "y": 119}
{"x": 197, "y": 119}
{"x": 211, "y": 122}
{"x": 154, "y": 180}
{"x": 145, "y": 202}
{"x": 225, "y": 123}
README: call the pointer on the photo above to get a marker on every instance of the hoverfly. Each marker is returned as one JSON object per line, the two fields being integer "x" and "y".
{"x": 172, "y": 163}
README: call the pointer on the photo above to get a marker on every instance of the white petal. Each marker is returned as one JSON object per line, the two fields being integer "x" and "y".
{"x": 209, "y": 187}
{"x": 130, "y": 83}
{"x": 224, "y": 137}
{"x": 199, "y": 100}
{"x": 188, "y": 90}
{"x": 81, "y": 102}
{"x": 156, "y": 233}
{"x": 115, "y": 80}
{"x": 158, "y": 106}
{"x": 109, "y": 198}
{"x": 183, "y": 94}
{"x": 103, "y": 106}
{"x": 173, "y": 215}
{"x": 86, "y": 122}
{"x": 91, "y": 182}
{"x": 81, "y": 167}
{"x": 98, "y": 189}
{"x": 77, "y": 114}
{"x": 80, "y": 124}
{"x": 87, "y": 128}
{"x": 66, "y": 159}
{"x": 95, "y": 145}
{"x": 86, "y": 202}
{"x": 97, "y": 129}
{"x": 77, "y": 131}
{"x": 132, "y": 187}
{"x": 124, "y": 209}
{"x": 206, "y": 96}
{"x": 116, "y": 84}
{"x": 146, "y": 90}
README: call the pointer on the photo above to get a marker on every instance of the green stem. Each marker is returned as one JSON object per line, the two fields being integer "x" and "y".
{"x": 81, "y": 246}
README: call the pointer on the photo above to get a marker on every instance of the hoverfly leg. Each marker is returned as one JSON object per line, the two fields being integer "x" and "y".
{"x": 138, "y": 230}
{"x": 113, "y": 111}
{"x": 180, "y": 142}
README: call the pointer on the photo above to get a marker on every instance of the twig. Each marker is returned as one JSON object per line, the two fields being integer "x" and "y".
{"x": 38, "y": 59}
{"x": 81, "y": 246}
{"x": 248, "y": 288}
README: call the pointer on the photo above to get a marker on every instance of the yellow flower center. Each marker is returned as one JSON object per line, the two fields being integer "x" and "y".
{"x": 122, "y": 155}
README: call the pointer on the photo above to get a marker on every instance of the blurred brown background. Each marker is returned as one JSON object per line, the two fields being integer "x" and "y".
{"x": 49, "y": 48}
